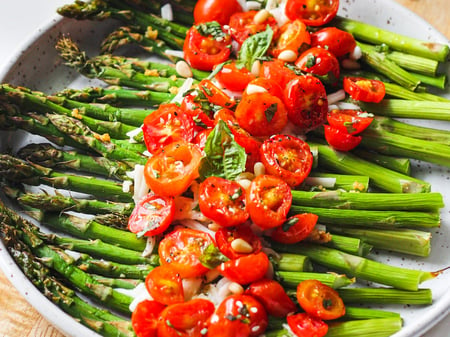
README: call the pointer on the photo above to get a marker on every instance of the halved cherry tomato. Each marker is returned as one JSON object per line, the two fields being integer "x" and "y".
{"x": 215, "y": 95}
{"x": 261, "y": 114}
{"x": 269, "y": 85}
{"x": 272, "y": 296}
{"x": 319, "y": 61}
{"x": 363, "y": 89}
{"x": 145, "y": 318}
{"x": 188, "y": 319}
{"x": 245, "y": 315}
{"x": 215, "y": 10}
{"x": 277, "y": 71}
{"x": 243, "y": 26}
{"x": 193, "y": 106}
{"x": 340, "y": 139}
{"x": 336, "y": 41}
{"x": 320, "y": 300}
{"x": 203, "y": 52}
{"x": 287, "y": 157}
{"x": 167, "y": 124}
{"x": 225, "y": 236}
{"x": 312, "y": 12}
{"x": 182, "y": 249}
{"x": 293, "y": 35}
{"x": 200, "y": 138}
{"x": 172, "y": 170}
{"x": 234, "y": 78}
{"x": 306, "y": 102}
{"x": 352, "y": 121}
{"x": 152, "y": 215}
{"x": 304, "y": 325}
{"x": 295, "y": 229}
{"x": 164, "y": 285}
{"x": 246, "y": 269}
{"x": 223, "y": 201}
{"x": 269, "y": 199}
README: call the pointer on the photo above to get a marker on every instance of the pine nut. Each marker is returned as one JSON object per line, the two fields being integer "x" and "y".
{"x": 256, "y": 68}
{"x": 287, "y": 55}
{"x": 183, "y": 69}
{"x": 235, "y": 288}
{"x": 241, "y": 246}
{"x": 245, "y": 183}
{"x": 254, "y": 89}
{"x": 261, "y": 16}
{"x": 213, "y": 226}
{"x": 259, "y": 169}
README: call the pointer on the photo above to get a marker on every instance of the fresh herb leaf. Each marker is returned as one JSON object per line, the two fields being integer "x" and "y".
{"x": 310, "y": 61}
{"x": 212, "y": 28}
{"x": 212, "y": 257}
{"x": 255, "y": 47}
{"x": 289, "y": 223}
{"x": 271, "y": 111}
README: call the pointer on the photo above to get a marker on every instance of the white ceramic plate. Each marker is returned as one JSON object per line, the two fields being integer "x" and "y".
{"x": 37, "y": 66}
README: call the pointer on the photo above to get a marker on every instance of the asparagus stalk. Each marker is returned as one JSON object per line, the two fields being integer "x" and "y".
{"x": 331, "y": 181}
{"x": 293, "y": 263}
{"x": 397, "y": 91}
{"x": 182, "y": 12}
{"x": 380, "y": 177}
{"x": 360, "y": 267}
{"x": 353, "y": 313}
{"x": 292, "y": 279}
{"x": 349, "y": 245}
{"x": 366, "y": 32}
{"x": 117, "y": 282}
{"x": 386, "y": 296}
{"x": 439, "y": 81}
{"x": 401, "y": 165}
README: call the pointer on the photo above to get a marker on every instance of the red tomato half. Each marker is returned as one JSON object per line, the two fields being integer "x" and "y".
{"x": 295, "y": 229}
{"x": 269, "y": 85}
{"x": 306, "y": 102}
{"x": 363, "y": 89}
{"x": 336, "y": 41}
{"x": 319, "y": 61}
{"x": 312, "y": 12}
{"x": 164, "y": 284}
{"x": 173, "y": 169}
{"x": 304, "y": 325}
{"x": 193, "y": 106}
{"x": 225, "y": 236}
{"x": 320, "y": 300}
{"x": 272, "y": 296}
{"x": 352, "y": 121}
{"x": 204, "y": 52}
{"x": 188, "y": 319}
{"x": 293, "y": 35}
{"x": 182, "y": 249}
{"x": 233, "y": 78}
{"x": 243, "y": 26}
{"x": 223, "y": 201}
{"x": 277, "y": 72}
{"x": 145, "y": 318}
{"x": 152, "y": 215}
{"x": 341, "y": 140}
{"x": 269, "y": 199}
{"x": 287, "y": 157}
{"x": 246, "y": 269}
{"x": 167, "y": 124}
{"x": 215, "y": 95}
{"x": 215, "y": 10}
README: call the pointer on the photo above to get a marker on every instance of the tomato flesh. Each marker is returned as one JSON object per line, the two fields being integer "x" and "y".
{"x": 352, "y": 121}
{"x": 246, "y": 269}
{"x": 234, "y": 78}
{"x": 319, "y": 61}
{"x": 312, "y": 12}
{"x": 145, "y": 318}
{"x": 214, "y": 10}
{"x": 304, "y": 325}
{"x": 363, "y": 89}
{"x": 225, "y": 236}
{"x": 294, "y": 36}
{"x": 340, "y": 139}
{"x": 336, "y": 41}
{"x": 242, "y": 25}
{"x": 295, "y": 229}
{"x": 164, "y": 285}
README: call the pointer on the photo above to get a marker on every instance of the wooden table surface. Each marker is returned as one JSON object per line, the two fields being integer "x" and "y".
{"x": 19, "y": 319}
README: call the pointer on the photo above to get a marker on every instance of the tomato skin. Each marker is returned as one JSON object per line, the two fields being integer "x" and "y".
{"x": 250, "y": 315}
{"x": 319, "y": 61}
{"x": 192, "y": 107}
{"x": 363, "y": 89}
{"x": 223, "y": 201}
{"x": 293, "y": 35}
{"x": 287, "y": 157}
{"x": 320, "y": 300}
{"x": 296, "y": 232}
{"x": 277, "y": 72}
{"x": 306, "y": 102}
{"x": 224, "y": 237}
{"x": 182, "y": 248}
{"x": 164, "y": 285}
{"x": 304, "y": 325}
{"x": 145, "y": 318}
{"x": 272, "y": 296}
{"x": 336, "y": 41}
{"x": 172, "y": 170}
{"x": 269, "y": 199}
{"x": 167, "y": 124}
{"x": 341, "y": 140}
{"x": 352, "y": 121}
{"x": 261, "y": 114}
{"x": 271, "y": 86}
{"x": 186, "y": 319}
{"x": 214, "y": 10}
{"x": 233, "y": 78}
{"x": 312, "y": 13}
{"x": 203, "y": 52}
{"x": 246, "y": 269}
{"x": 153, "y": 214}
{"x": 215, "y": 95}
{"x": 242, "y": 25}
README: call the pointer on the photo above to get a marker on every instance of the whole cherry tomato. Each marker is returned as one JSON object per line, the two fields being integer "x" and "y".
{"x": 312, "y": 12}
{"x": 223, "y": 201}
{"x": 294, "y": 36}
{"x": 202, "y": 50}
{"x": 319, "y": 61}
{"x": 306, "y": 102}
{"x": 272, "y": 296}
{"x": 246, "y": 269}
{"x": 336, "y": 41}
{"x": 340, "y": 139}
{"x": 320, "y": 300}
{"x": 352, "y": 121}
{"x": 304, "y": 325}
{"x": 269, "y": 199}
{"x": 287, "y": 157}
{"x": 295, "y": 229}
{"x": 243, "y": 26}
{"x": 173, "y": 169}
{"x": 225, "y": 236}
{"x": 145, "y": 318}
{"x": 363, "y": 89}
{"x": 234, "y": 78}
{"x": 215, "y": 10}
{"x": 152, "y": 215}
{"x": 182, "y": 249}
{"x": 164, "y": 285}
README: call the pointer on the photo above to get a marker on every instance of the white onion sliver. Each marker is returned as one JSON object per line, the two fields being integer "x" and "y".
{"x": 150, "y": 246}
{"x": 126, "y": 186}
{"x": 322, "y": 181}
{"x": 133, "y": 133}
{"x": 243, "y": 4}
{"x": 166, "y": 12}
{"x": 356, "y": 53}
{"x": 346, "y": 105}
{"x": 183, "y": 89}
{"x": 140, "y": 186}
{"x": 139, "y": 294}
{"x": 192, "y": 224}
{"x": 191, "y": 286}
{"x": 253, "y": 5}
{"x": 336, "y": 96}
{"x": 176, "y": 53}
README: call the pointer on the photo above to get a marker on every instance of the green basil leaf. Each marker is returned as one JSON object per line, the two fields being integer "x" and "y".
{"x": 255, "y": 47}
{"x": 212, "y": 257}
